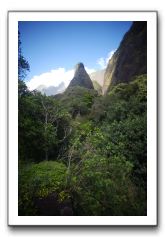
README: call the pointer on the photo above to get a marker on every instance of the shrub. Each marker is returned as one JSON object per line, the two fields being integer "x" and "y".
{"x": 39, "y": 181}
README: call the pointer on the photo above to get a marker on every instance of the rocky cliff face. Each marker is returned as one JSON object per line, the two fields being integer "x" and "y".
{"x": 81, "y": 78}
{"x": 130, "y": 59}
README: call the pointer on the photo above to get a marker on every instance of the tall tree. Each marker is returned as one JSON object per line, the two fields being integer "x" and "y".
{"x": 23, "y": 65}
{"x": 55, "y": 123}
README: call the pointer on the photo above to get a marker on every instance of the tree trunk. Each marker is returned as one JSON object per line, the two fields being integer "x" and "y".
{"x": 46, "y": 155}
{"x": 46, "y": 123}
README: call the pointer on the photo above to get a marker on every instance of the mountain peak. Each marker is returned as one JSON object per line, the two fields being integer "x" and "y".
{"x": 81, "y": 77}
{"x": 79, "y": 65}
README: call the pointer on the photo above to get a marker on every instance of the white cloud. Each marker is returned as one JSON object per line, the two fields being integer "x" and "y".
{"x": 89, "y": 70}
{"x": 101, "y": 62}
{"x": 53, "y": 78}
{"x": 104, "y": 61}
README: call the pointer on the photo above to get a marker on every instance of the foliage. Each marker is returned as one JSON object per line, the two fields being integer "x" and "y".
{"x": 103, "y": 187}
{"x": 123, "y": 101}
{"x": 78, "y": 100}
{"x": 23, "y": 65}
{"x": 36, "y": 181}
{"x": 99, "y": 144}
{"x": 122, "y": 118}
{"x": 43, "y": 127}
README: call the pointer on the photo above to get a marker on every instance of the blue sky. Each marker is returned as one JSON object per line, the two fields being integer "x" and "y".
{"x": 54, "y": 48}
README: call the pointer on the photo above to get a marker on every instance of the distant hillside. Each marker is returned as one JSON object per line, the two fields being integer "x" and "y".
{"x": 51, "y": 90}
{"x": 98, "y": 80}
{"x": 97, "y": 87}
{"x": 98, "y": 76}
{"x": 130, "y": 59}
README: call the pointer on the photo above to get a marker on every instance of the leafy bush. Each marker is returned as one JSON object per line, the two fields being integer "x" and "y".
{"x": 123, "y": 101}
{"x": 38, "y": 181}
{"x": 103, "y": 187}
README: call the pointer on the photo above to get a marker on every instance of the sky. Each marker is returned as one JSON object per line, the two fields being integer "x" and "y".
{"x": 54, "y": 48}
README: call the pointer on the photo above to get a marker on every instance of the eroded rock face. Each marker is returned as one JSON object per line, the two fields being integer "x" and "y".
{"x": 81, "y": 78}
{"x": 130, "y": 59}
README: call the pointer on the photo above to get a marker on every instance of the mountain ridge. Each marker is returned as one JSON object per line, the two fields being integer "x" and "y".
{"x": 130, "y": 59}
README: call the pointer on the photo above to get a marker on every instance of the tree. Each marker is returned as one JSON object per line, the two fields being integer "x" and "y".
{"x": 55, "y": 119}
{"x": 23, "y": 65}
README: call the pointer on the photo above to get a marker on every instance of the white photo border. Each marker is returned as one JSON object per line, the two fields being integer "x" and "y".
{"x": 13, "y": 18}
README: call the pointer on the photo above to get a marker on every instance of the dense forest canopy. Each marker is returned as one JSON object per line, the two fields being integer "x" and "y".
{"x": 83, "y": 153}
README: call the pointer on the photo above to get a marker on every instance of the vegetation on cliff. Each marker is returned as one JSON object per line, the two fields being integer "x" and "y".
{"x": 80, "y": 152}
